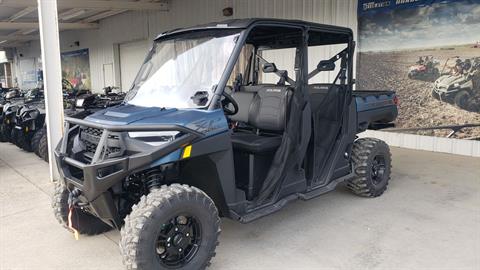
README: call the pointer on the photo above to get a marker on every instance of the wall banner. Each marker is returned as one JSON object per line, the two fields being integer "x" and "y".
{"x": 429, "y": 52}
{"x": 76, "y": 68}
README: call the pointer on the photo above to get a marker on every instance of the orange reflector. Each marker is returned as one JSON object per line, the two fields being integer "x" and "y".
{"x": 187, "y": 151}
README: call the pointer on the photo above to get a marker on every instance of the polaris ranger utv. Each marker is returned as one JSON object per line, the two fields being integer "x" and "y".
{"x": 202, "y": 135}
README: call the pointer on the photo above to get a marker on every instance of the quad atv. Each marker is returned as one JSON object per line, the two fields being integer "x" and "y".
{"x": 459, "y": 88}
{"x": 28, "y": 120}
{"x": 9, "y": 110}
{"x": 424, "y": 71}
{"x": 187, "y": 147}
{"x": 79, "y": 107}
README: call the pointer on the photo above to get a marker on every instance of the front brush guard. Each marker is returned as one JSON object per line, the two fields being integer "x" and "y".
{"x": 93, "y": 184}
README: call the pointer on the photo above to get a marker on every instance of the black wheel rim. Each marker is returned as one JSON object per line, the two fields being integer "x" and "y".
{"x": 178, "y": 241}
{"x": 378, "y": 169}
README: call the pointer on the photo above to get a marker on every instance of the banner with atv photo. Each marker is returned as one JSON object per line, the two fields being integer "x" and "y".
{"x": 429, "y": 52}
{"x": 76, "y": 69}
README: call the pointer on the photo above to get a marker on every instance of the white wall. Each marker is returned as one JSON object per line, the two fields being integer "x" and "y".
{"x": 135, "y": 26}
{"x": 428, "y": 143}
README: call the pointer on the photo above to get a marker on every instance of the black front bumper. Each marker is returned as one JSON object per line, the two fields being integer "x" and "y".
{"x": 96, "y": 177}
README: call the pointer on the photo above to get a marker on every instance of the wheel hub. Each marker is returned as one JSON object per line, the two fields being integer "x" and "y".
{"x": 378, "y": 169}
{"x": 178, "y": 241}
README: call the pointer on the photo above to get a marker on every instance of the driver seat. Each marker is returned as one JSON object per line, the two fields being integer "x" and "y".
{"x": 265, "y": 108}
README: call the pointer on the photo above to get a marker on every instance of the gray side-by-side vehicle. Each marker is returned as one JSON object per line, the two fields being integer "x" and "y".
{"x": 189, "y": 144}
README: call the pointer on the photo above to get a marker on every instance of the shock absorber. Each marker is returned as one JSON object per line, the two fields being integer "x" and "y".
{"x": 153, "y": 179}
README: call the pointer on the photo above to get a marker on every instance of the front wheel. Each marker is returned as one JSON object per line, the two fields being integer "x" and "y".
{"x": 4, "y": 133}
{"x": 435, "y": 95}
{"x": 36, "y": 140}
{"x": 172, "y": 227}
{"x": 82, "y": 221}
{"x": 461, "y": 99}
{"x": 371, "y": 164}
{"x": 43, "y": 146}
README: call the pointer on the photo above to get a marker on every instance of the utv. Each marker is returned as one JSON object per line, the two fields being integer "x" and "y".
{"x": 459, "y": 88}
{"x": 424, "y": 70}
{"x": 204, "y": 134}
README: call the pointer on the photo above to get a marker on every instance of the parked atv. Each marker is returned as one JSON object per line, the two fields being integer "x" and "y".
{"x": 459, "y": 88}
{"x": 14, "y": 102}
{"x": 186, "y": 148}
{"x": 425, "y": 70}
{"x": 28, "y": 120}
{"x": 82, "y": 106}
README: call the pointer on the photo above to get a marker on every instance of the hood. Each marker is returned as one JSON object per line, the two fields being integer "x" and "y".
{"x": 448, "y": 80}
{"x": 417, "y": 67}
{"x": 207, "y": 122}
{"x": 33, "y": 106}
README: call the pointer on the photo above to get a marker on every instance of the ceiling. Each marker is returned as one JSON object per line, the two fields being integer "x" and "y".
{"x": 19, "y": 18}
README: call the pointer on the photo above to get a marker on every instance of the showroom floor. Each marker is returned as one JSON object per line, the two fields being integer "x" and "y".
{"x": 428, "y": 218}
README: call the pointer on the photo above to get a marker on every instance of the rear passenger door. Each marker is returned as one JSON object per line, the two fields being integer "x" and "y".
{"x": 327, "y": 99}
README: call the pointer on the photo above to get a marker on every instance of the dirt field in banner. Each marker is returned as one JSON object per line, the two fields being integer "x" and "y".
{"x": 388, "y": 70}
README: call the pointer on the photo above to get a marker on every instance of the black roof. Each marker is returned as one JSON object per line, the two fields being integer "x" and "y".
{"x": 245, "y": 23}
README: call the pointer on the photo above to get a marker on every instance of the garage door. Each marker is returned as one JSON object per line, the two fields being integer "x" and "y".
{"x": 131, "y": 58}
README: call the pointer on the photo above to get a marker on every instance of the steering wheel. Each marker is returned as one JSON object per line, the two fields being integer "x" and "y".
{"x": 228, "y": 100}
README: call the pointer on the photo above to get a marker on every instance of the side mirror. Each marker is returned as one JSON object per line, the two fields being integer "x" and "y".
{"x": 200, "y": 98}
{"x": 269, "y": 68}
{"x": 326, "y": 65}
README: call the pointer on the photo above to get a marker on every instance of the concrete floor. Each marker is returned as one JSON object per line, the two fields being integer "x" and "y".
{"x": 428, "y": 218}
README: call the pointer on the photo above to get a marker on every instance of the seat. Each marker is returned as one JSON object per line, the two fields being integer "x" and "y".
{"x": 264, "y": 107}
{"x": 253, "y": 143}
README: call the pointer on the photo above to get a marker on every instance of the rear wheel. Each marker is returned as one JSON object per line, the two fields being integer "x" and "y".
{"x": 172, "y": 227}
{"x": 372, "y": 164}
{"x": 461, "y": 99}
{"x": 24, "y": 142}
{"x": 82, "y": 221}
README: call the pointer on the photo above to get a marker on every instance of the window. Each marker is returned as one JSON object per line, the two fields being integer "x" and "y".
{"x": 284, "y": 59}
{"x": 324, "y": 46}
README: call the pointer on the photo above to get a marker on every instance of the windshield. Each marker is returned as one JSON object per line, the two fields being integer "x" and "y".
{"x": 183, "y": 72}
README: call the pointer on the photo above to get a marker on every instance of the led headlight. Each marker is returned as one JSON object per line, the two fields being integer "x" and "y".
{"x": 154, "y": 138}
{"x": 79, "y": 102}
{"x": 33, "y": 114}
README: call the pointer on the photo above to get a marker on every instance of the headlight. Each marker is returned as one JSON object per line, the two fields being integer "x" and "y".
{"x": 33, "y": 114}
{"x": 456, "y": 85}
{"x": 154, "y": 138}
{"x": 79, "y": 102}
